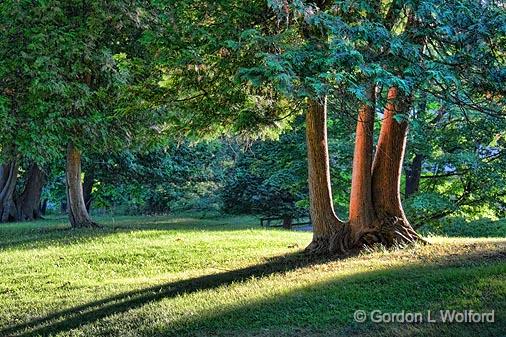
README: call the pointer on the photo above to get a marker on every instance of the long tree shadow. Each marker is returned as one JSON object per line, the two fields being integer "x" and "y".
{"x": 326, "y": 308}
{"x": 89, "y": 313}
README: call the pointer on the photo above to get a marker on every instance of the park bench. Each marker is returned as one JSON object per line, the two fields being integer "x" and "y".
{"x": 282, "y": 222}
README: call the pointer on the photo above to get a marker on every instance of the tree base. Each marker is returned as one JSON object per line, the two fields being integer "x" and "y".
{"x": 389, "y": 232}
{"x": 85, "y": 224}
{"x": 392, "y": 231}
{"x": 335, "y": 243}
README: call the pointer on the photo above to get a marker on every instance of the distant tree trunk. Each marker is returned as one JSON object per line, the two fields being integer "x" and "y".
{"x": 326, "y": 225}
{"x": 414, "y": 169}
{"x": 63, "y": 206}
{"x": 8, "y": 179}
{"x": 29, "y": 201}
{"x": 287, "y": 222}
{"x": 413, "y": 175}
{"x": 78, "y": 215}
{"x": 43, "y": 207}
{"x": 89, "y": 180}
{"x": 361, "y": 206}
{"x": 386, "y": 173}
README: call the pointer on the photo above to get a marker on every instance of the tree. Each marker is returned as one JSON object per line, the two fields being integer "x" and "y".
{"x": 76, "y": 60}
{"x": 8, "y": 178}
{"x": 346, "y": 51}
{"x": 29, "y": 202}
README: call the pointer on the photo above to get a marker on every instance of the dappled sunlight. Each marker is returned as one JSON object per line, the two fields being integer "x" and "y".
{"x": 55, "y": 233}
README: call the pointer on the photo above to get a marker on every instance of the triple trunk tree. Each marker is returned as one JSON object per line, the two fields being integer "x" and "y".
{"x": 376, "y": 213}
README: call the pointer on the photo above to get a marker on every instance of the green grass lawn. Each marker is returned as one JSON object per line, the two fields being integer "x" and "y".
{"x": 178, "y": 276}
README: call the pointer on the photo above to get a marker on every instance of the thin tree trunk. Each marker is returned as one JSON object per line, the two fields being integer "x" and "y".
{"x": 414, "y": 169}
{"x": 63, "y": 205}
{"x": 43, "y": 207}
{"x": 89, "y": 180}
{"x": 78, "y": 215}
{"x": 29, "y": 201}
{"x": 8, "y": 179}
{"x": 361, "y": 206}
{"x": 413, "y": 175}
{"x": 287, "y": 222}
{"x": 326, "y": 225}
{"x": 386, "y": 173}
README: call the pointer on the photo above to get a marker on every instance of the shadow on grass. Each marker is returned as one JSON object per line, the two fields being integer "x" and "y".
{"x": 57, "y": 231}
{"x": 74, "y": 317}
{"x": 359, "y": 291}
{"x": 327, "y": 307}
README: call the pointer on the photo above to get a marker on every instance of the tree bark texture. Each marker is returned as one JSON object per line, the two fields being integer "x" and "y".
{"x": 8, "y": 179}
{"x": 376, "y": 213}
{"x": 361, "y": 208}
{"x": 326, "y": 225}
{"x": 28, "y": 203}
{"x": 78, "y": 215}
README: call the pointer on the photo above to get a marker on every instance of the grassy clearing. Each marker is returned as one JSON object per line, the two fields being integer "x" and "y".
{"x": 177, "y": 276}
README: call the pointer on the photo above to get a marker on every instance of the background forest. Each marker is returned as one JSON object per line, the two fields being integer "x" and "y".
{"x": 454, "y": 173}
{"x": 172, "y": 113}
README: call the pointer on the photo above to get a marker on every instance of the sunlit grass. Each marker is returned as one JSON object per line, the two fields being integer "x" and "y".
{"x": 47, "y": 268}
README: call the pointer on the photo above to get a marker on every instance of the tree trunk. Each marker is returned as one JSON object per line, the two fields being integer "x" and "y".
{"x": 78, "y": 215}
{"x": 287, "y": 222}
{"x": 386, "y": 173}
{"x": 361, "y": 206}
{"x": 413, "y": 175}
{"x": 89, "y": 180}
{"x": 43, "y": 207}
{"x": 29, "y": 201}
{"x": 8, "y": 179}
{"x": 414, "y": 170}
{"x": 326, "y": 225}
{"x": 63, "y": 205}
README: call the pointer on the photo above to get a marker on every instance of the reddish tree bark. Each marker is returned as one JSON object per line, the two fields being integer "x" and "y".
{"x": 78, "y": 215}
{"x": 361, "y": 207}
{"x": 388, "y": 159}
{"x": 376, "y": 214}
{"x": 386, "y": 173}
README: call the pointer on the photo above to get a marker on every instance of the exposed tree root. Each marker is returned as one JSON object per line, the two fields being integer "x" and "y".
{"x": 389, "y": 232}
{"x": 90, "y": 224}
{"x": 336, "y": 243}
{"x": 87, "y": 223}
{"x": 392, "y": 231}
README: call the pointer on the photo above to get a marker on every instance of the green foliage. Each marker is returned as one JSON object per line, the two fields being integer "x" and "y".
{"x": 173, "y": 178}
{"x": 459, "y": 226}
{"x": 130, "y": 81}
{"x": 63, "y": 67}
